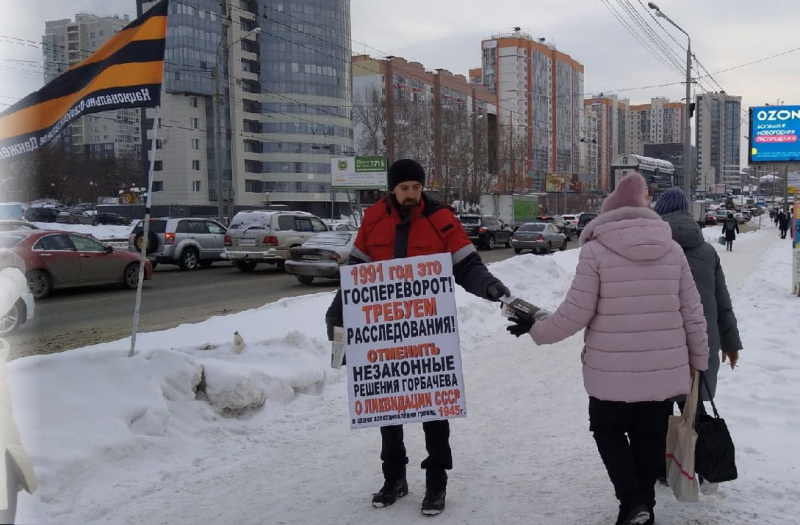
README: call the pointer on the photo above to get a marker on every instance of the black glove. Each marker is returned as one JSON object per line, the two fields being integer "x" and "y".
{"x": 330, "y": 322}
{"x": 519, "y": 327}
{"x": 496, "y": 290}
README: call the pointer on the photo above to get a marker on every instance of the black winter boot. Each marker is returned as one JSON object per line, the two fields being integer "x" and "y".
{"x": 435, "y": 491}
{"x": 390, "y": 492}
{"x": 433, "y": 503}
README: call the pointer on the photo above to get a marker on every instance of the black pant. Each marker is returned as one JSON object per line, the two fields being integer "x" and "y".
{"x": 633, "y": 461}
{"x": 437, "y": 443}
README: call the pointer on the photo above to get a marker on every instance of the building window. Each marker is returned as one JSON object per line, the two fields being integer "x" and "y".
{"x": 253, "y": 186}
{"x": 195, "y": 185}
{"x": 158, "y": 165}
{"x": 195, "y": 122}
{"x": 193, "y": 102}
{"x": 195, "y": 143}
{"x": 158, "y": 185}
{"x": 196, "y": 165}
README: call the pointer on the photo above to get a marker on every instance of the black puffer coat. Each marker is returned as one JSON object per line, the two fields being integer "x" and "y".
{"x": 723, "y": 332}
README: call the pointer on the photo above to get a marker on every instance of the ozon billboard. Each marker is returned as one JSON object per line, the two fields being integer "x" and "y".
{"x": 774, "y": 132}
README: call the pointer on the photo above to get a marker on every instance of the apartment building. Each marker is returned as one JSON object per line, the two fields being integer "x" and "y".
{"x": 659, "y": 122}
{"x": 718, "y": 138}
{"x": 67, "y": 42}
{"x": 256, "y": 100}
{"x": 539, "y": 99}
{"x": 446, "y": 123}
{"x": 611, "y": 116}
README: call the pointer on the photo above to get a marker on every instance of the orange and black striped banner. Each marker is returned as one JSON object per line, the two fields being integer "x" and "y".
{"x": 126, "y": 72}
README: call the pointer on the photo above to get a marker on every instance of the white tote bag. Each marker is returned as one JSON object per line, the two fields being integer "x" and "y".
{"x": 681, "y": 439}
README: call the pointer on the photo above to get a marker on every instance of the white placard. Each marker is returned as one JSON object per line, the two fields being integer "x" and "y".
{"x": 401, "y": 341}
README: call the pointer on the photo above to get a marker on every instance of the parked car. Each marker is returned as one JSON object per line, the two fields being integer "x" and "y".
{"x": 538, "y": 237}
{"x": 58, "y": 259}
{"x": 320, "y": 256}
{"x": 568, "y": 225}
{"x": 75, "y": 217}
{"x": 486, "y": 230}
{"x": 188, "y": 242}
{"x": 266, "y": 236}
{"x": 15, "y": 292}
{"x": 584, "y": 219}
{"x": 40, "y": 214}
{"x": 16, "y": 224}
{"x": 711, "y": 218}
{"x": 112, "y": 218}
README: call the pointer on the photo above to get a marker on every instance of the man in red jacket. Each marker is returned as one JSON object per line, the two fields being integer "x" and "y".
{"x": 407, "y": 223}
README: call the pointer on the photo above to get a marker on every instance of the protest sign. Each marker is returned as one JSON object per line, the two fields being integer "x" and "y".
{"x": 401, "y": 341}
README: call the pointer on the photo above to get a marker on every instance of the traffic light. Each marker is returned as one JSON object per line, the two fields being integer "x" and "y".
{"x": 691, "y": 109}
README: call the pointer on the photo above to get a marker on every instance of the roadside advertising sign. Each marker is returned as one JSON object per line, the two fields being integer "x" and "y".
{"x": 761, "y": 199}
{"x": 358, "y": 173}
{"x": 774, "y": 132}
{"x": 401, "y": 340}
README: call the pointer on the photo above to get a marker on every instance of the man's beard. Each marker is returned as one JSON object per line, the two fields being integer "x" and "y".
{"x": 408, "y": 206}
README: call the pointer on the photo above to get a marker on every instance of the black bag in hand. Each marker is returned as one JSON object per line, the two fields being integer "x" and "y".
{"x": 714, "y": 453}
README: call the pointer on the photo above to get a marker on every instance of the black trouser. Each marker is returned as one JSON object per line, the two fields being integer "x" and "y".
{"x": 633, "y": 461}
{"x": 437, "y": 443}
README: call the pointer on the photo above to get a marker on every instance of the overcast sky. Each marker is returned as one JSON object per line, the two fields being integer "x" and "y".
{"x": 732, "y": 39}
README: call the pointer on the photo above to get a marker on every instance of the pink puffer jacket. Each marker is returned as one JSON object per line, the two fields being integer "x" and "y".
{"x": 634, "y": 294}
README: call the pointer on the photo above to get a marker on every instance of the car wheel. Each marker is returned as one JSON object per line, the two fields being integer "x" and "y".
{"x": 188, "y": 260}
{"x": 564, "y": 246}
{"x": 508, "y": 242}
{"x": 152, "y": 242}
{"x": 94, "y": 222}
{"x": 39, "y": 283}
{"x": 246, "y": 266}
{"x": 13, "y": 319}
{"x": 130, "y": 278}
{"x": 305, "y": 279}
{"x": 517, "y": 250}
{"x": 490, "y": 243}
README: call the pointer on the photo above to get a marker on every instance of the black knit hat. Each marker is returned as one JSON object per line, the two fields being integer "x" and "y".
{"x": 405, "y": 170}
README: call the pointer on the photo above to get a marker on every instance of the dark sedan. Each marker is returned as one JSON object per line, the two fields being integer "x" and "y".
{"x": 58, "y": 259}
{"x": 485, "y": 230}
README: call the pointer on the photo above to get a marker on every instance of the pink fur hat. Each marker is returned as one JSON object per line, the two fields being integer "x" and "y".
{"x": 629, "y": 192}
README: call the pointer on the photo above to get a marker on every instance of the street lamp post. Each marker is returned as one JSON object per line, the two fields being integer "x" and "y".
{"x": 91, "y": 191}
{"x": 218, "y": 118}
{"x": 687, "y": 132}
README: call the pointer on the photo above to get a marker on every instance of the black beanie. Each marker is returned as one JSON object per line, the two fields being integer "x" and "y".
{"x": 405, "y": 170}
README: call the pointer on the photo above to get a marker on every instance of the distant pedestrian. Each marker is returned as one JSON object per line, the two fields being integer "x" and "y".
{"x": 783, "y": 223}
{"x": 729, "y": 229}
{"x": 777, "y": 217}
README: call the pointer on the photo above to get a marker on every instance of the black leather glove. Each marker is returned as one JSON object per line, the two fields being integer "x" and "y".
{"x": 519, "y": 327}
{"x": 330, "y": 322}
{"x": 496, "y": 290}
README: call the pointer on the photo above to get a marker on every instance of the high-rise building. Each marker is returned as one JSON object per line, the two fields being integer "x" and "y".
{"x": 659, "y": 122}
{"x": 539, "y": 102}
{"x": 66, "y": 43}
{"x": 441, "y": 120}
{"x": 718, "y": 139}
{"x": 611, "y": 116}
{"x": 269, "y": 80}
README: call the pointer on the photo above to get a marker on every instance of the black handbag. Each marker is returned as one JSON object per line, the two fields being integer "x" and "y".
{"x": 714, "y": 453}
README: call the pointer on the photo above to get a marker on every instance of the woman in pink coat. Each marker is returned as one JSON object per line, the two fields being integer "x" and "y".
{"x": 644, "y": 330}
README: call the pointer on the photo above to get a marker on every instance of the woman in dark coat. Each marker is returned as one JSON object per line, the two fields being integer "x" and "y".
{"x": 729, "y": 229}
{"x": 704, "y": 263}
{"x": 783, "y": 223}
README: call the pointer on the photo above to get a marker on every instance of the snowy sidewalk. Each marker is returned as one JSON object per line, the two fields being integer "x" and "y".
{"x": 127, "y": 441}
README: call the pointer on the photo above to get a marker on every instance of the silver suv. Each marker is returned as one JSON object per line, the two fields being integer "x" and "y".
{"x": 266, "y": 236}
{"x": 188, "y": 242}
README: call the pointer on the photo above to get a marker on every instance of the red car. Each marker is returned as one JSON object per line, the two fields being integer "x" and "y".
{"x": 60, "y": 259}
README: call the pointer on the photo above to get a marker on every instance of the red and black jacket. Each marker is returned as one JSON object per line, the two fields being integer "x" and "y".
{"x": 432, "y": 228}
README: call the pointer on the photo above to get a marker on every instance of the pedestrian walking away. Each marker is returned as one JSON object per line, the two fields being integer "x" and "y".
{"x": 644, "y": 334}
{"x": 783, "y": 223}
{"x": 704, "y": 262}
{"x": 407, "y": 223}
{"x": 729, "y": 229}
